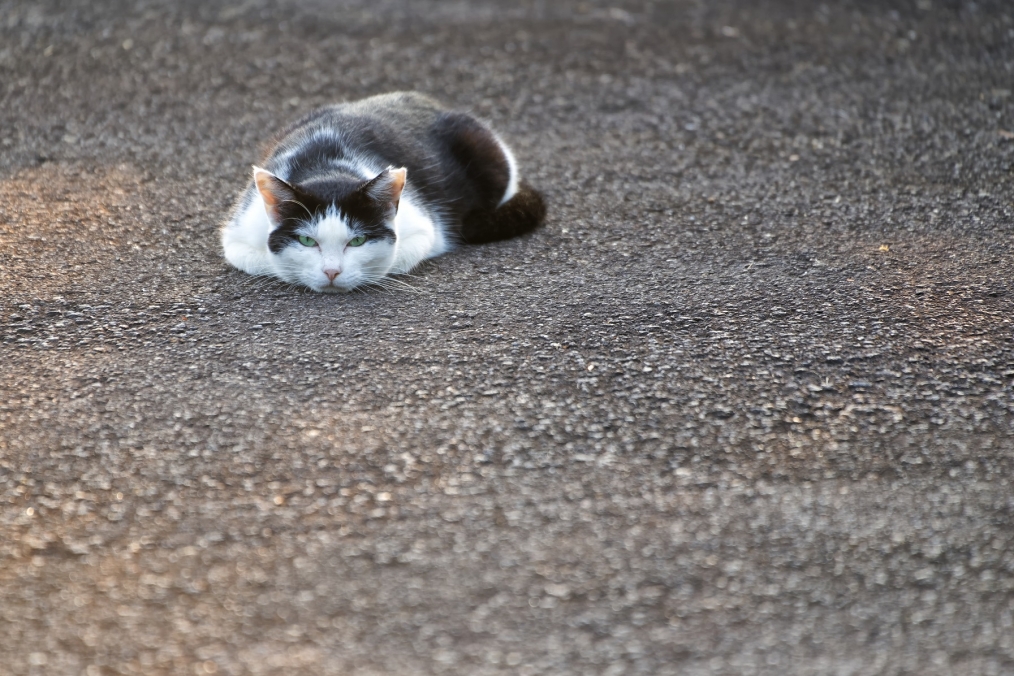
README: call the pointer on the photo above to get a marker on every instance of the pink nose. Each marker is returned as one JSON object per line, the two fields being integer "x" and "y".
{"x": 332, "y": 273}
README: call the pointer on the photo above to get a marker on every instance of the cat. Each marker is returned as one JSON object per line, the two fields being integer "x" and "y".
{"x": 354, "y": 192}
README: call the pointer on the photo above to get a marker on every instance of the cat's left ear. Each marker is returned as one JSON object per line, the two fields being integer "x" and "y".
{"x": 386, "y": 188}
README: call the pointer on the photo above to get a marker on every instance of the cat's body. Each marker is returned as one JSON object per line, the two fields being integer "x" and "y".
{"x": 354, "y": 192}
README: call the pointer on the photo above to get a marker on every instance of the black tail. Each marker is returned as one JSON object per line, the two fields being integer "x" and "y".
{"x": 520, "y": 214}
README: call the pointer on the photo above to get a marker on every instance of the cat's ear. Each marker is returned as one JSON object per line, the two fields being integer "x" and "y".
{"x": 386, "y": 188}
{"x": 274, "y": 191}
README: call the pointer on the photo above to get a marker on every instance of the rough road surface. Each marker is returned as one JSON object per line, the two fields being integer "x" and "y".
{"x": 744, "y": 406}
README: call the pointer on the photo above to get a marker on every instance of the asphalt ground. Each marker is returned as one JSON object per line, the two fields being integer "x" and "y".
{"x": 744, "y": 406}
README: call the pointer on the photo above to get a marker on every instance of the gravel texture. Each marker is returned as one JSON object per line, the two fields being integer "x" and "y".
{"x": 744, "y": 406}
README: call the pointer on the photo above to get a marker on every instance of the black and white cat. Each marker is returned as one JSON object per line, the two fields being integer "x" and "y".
{"x": 354, "y": 192}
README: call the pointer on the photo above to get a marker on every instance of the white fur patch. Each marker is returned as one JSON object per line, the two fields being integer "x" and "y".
{"x": 512, "y": 183}
{"x": 245, "y": 239}
{"x": 356, "y": 265}
{"x": 419, "y": 237}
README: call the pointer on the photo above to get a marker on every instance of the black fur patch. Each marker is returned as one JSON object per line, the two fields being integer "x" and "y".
{"x": 348, "y": 195}
{"x": 476, "y": 151}
{"x": 520, "y": 214}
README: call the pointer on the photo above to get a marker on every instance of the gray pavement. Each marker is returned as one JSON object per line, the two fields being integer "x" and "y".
{"x": 744, "y": 406}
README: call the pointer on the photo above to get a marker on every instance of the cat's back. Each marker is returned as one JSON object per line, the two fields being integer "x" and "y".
{"x": 393, "y": 108}
{"x": 396, "y": 118}
{"x": 456, "y": 165}
{"x": 397, "y": 108}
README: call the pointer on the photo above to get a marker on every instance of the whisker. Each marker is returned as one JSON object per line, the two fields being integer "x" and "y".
{"x": 294, "y": 201}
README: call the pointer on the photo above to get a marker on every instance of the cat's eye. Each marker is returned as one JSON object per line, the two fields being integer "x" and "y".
{"x": 357, "y": 241}
{"x": 307, "y": 241}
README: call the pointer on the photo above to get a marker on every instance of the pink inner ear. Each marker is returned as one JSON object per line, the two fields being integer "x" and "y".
{"x": 388, "y": 186}
{"x": 273, "y": 190}
{"x": 397, "y": 184}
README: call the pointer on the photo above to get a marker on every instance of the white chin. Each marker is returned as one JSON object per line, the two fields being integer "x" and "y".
{"x": 330, "y": 289}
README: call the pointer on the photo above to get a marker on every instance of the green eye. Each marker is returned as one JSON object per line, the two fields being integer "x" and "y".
{"x": 307, "y": 241}
{"x": 357, "y": 241}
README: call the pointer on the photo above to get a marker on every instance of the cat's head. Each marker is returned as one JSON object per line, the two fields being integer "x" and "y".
{"x": 332, "y": 234}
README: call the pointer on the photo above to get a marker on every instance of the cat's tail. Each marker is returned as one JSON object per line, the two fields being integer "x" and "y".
{"x": 522, "y": 213}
